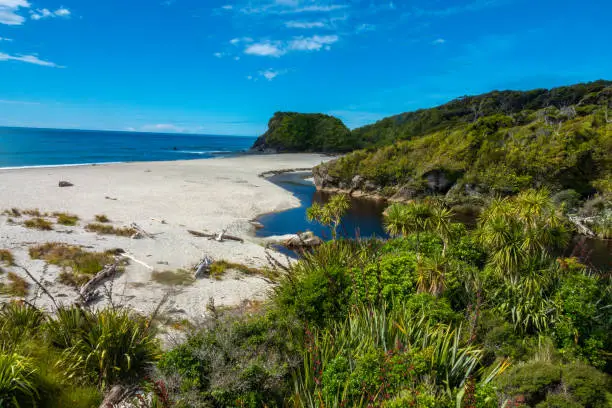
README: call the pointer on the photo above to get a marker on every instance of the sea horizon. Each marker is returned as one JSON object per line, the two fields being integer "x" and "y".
{"x": 25, "y": 147}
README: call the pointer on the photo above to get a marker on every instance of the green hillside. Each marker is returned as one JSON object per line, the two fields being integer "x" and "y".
{"x": 500, "y": 142}
{"x": 303, "y": 132}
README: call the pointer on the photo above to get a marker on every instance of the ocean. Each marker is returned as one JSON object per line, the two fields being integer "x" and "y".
{"x": 28, "y": 147}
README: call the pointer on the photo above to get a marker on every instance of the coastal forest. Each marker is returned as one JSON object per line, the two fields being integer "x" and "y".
{"x": 507, "y": 311}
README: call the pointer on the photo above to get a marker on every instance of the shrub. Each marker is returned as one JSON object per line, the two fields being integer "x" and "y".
{"x": 66, "y": 219}
{"x": 316, "y": 289}
{"x": 102, "y": 218}
{"x": 104, "y": 229}
{"x": 586, "y": 385}
{"x": 18, "y": 381}
{"x": 107, "y": 346}
{"x": 584, "y": 319}
{"x": 531, "y": 381}
{"x": 393, "y": 278}
{"x": 218, "y": 269}
{"x": 77, "y": 263}
{"x": 33, "y": 212}
{"x": 19, "y": 321}
{"x": 236, "y": 361}
{"x": 38, "y": 223}
{"x": 6, "y": 257}
{"x": 17, "y": 286}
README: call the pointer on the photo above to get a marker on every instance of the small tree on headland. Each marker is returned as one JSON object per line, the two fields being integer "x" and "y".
{"x": 330, "y": 214}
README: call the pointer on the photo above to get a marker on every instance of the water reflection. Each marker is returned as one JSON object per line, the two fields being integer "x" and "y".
{"x": 365, "y": 219}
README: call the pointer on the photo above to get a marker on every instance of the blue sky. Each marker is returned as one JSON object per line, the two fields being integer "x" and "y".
{"x": 224, "y": 67}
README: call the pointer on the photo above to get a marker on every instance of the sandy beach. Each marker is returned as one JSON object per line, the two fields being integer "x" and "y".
{"x": 165, "y": 199}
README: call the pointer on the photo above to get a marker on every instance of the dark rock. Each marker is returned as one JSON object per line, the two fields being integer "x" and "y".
{"x": 439, "y": 181}
{"x": 405, "y": 193}
{"x": 65, "y": 184}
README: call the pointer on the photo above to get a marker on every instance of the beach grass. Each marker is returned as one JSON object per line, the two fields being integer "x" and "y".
{"x": 180, "y": 277}
{"x": 13, "y": 212}
{"x": 105, "y": 229}
{"x": 34, "y": 212}
{"x": 6, "y": 257}
{"x": 102, "y": 218}
{"x": 219, "y": 268}
{"x": 66, "y": 219}
{"x": 16, "y": 286}
{"x": 39, "y": 224}
{"x": 78, "y": 265}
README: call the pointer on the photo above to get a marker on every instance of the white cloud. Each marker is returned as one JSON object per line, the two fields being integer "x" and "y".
{"x": 439, "y": 41}
{"x": 40, "y": 14}
{"x": 365, "y": 27}
{"x": 265, "y": 49}
{"x": 219, "y": 54}
{"x": 314, "y": 43}
{"x": 227, "y": 7}
{"x": 291, "y": 7}
{"x": 304, "y": 24}
{"x": 6, "y": 39}
{"x": 9, "y": 9}
{"x": 270, "y": 74}
{"x": 30, "y": 59}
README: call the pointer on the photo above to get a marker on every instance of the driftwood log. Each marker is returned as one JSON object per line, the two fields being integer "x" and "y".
{"x": 140, "y": 232}
{"x": 217, "y": 237}
{"x": 580, "y": 225}
{"x": 203, "y": 267}
{"x": 88, "y": 292}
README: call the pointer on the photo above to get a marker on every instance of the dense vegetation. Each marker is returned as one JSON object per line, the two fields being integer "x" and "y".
{"x": 498, "y": 143}
{"x": 301, "y": 132}
{"x": 437, "y": 317}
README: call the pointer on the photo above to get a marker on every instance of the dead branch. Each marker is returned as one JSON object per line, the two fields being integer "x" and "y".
{"x": 141, "y": 231}
{"x": 88, "y": 291}
{"x": 127, "y": 255}
{"x": 582, "y": 228}
{"x": 217, "y": 237}
{"x": 203, "y": 267}
{"x": 40, "y": 285}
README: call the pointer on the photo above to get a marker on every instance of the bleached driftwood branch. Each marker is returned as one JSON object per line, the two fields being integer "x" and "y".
{"x": 88, "y": 291}
{"x": 141, "y": 232}
{"x": 203, "y": 267}
{"x": 580, "y": 224}
{"x": 217, "y": 237}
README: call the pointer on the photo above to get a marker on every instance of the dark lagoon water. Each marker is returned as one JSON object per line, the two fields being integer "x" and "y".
{"x": 25, "y": 147}
{"x": 365, "y": 219}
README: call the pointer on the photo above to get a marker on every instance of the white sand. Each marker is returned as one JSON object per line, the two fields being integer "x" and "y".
{"x": 204, "y": 195}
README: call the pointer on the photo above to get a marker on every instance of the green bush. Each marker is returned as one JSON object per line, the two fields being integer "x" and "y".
{"x": 244, "y": 361}
{"x": 584, "y": 322}
{"x": 19, "y": 385}
{"x": 393, "y": 278}
{"x": 105, "y": 346}
{"x": 586, "y": 385}
{"x": 531, "y": 381}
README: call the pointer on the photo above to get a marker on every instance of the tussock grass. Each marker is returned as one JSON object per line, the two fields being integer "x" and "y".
{"x": 219, "y": 268}
{"x": 16, "y": 286}
{"x": 35, "y": 212}
{"x": 102, "y": 218}
{"x": 6, "y": 257}
{"x": 78, "y": 264}
{"x": 39, "y": 224}
{"x": 180, "y": 277}
{"x": 104, "y": 229}
{"x": 13, "y": 212}
{"x": 66, "y": 219}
